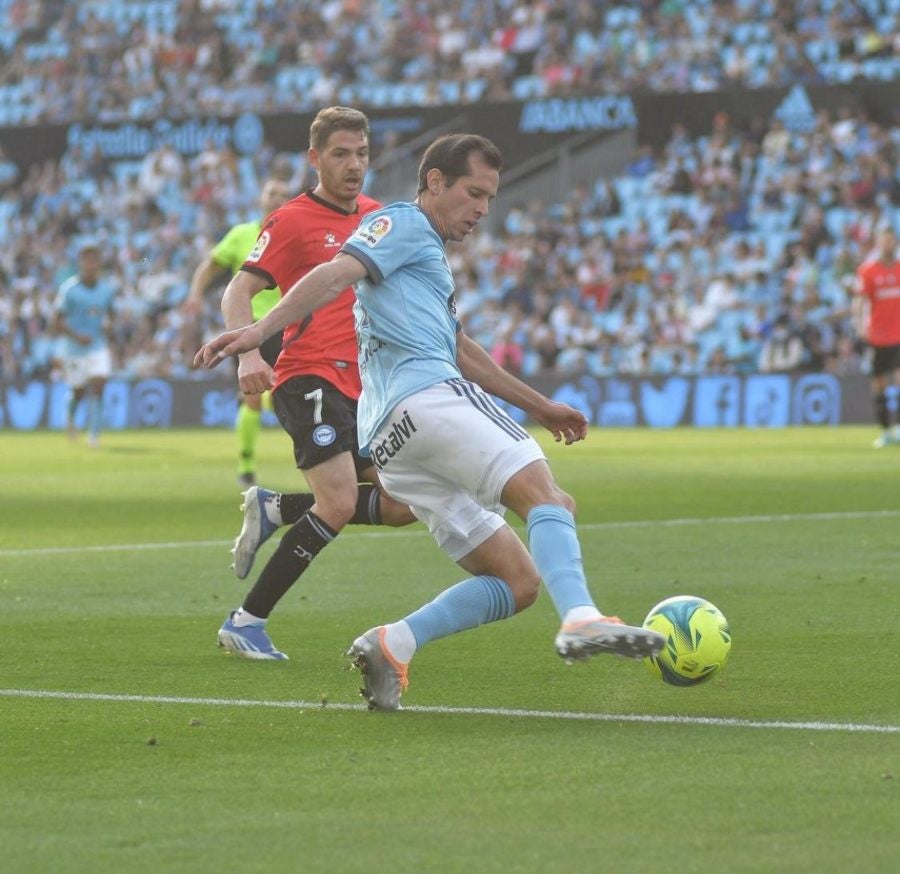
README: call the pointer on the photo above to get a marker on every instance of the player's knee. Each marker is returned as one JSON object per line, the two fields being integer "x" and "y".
{"x": 562, "y": 499}
{"x": 535, "y": 487}
{"x": 336, "y": 506}
{"x": 525, "y": 589}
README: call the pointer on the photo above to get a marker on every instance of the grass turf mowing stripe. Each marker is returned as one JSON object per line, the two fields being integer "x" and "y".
{"x": 713, "y": 721}
{"x": 590, "y": 526}
{"x": 116, "y": 547}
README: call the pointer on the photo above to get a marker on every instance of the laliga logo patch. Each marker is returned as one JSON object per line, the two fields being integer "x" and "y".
{"x": 374, "y": 232}
{"x": 324, "y": 435}
{"x": 260, "y": 247}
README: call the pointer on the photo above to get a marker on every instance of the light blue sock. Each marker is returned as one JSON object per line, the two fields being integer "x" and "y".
{"x": 71, "y": 408}
{"x": 94, "y": 413}
{"x": 554, "y": 547}
{"x": 468, "y": 604}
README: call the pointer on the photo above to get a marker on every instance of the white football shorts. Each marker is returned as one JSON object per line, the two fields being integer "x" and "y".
{"x": 78, "y": 370}
{"x": 447, "y": 452}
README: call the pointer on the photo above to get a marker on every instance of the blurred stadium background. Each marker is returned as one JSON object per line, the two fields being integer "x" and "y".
{"x": 688, "y": 191}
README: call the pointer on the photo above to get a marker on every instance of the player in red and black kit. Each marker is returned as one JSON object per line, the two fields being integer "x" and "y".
{"x": 877, "y": 311}
{"x": 316, "y": 382}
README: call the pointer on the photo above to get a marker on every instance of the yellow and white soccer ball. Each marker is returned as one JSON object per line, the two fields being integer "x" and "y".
{"x": 698, "y": 640}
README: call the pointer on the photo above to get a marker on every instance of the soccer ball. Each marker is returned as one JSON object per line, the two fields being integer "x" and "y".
{"x": 698, "y": 640}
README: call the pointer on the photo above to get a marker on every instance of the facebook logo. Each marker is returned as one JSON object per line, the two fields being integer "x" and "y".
{"x": 717, "y": 402}
{"x": 767, "y": 401}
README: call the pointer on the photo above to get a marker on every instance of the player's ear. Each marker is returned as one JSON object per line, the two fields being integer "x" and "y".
{"x": 435, "y": 180}
{"x": 313, "y": 156}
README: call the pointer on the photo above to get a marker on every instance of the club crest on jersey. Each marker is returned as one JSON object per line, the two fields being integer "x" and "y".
{"x": 375, "y": 231}
{"x": 262, "y": 243}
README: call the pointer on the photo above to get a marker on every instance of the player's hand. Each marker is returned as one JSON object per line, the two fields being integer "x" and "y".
{"x": 254, "y": 374}
{"x": 563, "y": 422}
{"x": 230, "y": 343}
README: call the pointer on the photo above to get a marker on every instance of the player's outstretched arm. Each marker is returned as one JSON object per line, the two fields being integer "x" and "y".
{"x": 859, "y": 309}
{"x": 561, "y": 420}
{"x": 319, "y": 287}
{"x": 201, "y": 279}
{"x": 230, "y": 343}
{"x": 254, "y": 373}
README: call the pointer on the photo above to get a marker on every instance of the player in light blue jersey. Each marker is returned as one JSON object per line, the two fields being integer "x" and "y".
{"x": 405, "y": 312}
{"x": 83, "y": 308}
{"x": 440, "y": 443}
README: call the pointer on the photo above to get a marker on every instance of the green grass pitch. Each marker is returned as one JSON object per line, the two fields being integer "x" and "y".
{"x": 151, "y": 754}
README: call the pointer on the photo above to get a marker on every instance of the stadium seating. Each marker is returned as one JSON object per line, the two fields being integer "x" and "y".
{"x": 637, "y": 40}
{"x": 648, "y": 276}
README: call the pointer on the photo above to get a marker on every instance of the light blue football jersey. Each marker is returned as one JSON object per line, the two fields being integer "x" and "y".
{"x": 405, "y": 311}
{"x": 84, "y": 309}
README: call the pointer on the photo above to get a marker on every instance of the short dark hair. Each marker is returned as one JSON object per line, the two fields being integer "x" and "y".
{"x": 450, "y": 154}
{"x": 335, "y": 118}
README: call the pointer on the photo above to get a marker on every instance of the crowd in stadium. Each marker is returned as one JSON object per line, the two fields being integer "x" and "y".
{"x": 65, "y": 60}
{"x": 732, "y": 252}
{"x": 728, "y": 253}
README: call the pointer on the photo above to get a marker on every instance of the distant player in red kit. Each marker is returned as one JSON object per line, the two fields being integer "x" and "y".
{"x": 316, "y": 382}
{"x": 877, "y": 312}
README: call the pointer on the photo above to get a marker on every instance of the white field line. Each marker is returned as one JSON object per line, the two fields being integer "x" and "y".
{"x": 713, "y": 721}
{"x": 419, "y": 532}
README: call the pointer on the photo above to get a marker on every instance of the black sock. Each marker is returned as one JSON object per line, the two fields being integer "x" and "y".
{"x": 881, "y": 410}
{"x": 294, "y": 506}
{"x": 368, "y": 506}
{"x": 306, "y": 539}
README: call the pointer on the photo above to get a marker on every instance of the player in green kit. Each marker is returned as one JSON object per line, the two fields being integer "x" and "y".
{"x": 229, "y": 254}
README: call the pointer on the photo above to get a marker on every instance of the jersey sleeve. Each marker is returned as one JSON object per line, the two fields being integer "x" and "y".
{"x": 275, "y": 253}
{"x": 385, "y": 241}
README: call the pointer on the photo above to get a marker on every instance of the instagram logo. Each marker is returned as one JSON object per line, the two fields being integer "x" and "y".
{"x": 151, "y": 404}
{"x": 816, "y": 400}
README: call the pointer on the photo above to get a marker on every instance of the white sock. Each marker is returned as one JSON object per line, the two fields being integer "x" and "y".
{"x": 242, "y": 618}
{"x": 400, "y": 640}
{"x": 581, "y": 614}
{"x": 272, "y": 509}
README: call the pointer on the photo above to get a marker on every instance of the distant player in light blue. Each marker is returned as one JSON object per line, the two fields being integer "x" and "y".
{"x": 439, "y": 441}
{"x": 83, "y": 308}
